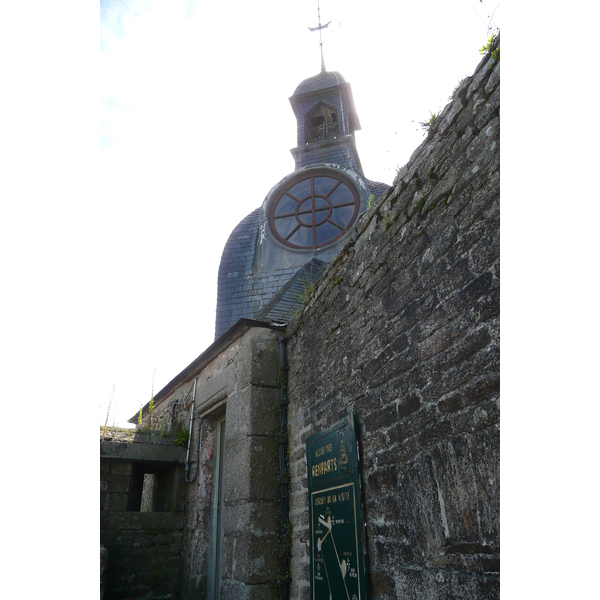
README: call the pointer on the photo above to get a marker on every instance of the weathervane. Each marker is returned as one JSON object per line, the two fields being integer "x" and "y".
{"x": 319, "y": 30}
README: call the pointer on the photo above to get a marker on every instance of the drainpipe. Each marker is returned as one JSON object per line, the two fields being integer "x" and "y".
{"x": 175, "y": 405}
{"x": 187, "y": 457}
{"x": 197, "y": 454}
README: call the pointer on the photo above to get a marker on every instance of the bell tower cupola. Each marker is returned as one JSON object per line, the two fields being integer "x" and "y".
{"x": 326, "y": 121}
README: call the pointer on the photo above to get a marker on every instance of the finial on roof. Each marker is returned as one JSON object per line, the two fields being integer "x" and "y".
{"x": 319, "y": 30}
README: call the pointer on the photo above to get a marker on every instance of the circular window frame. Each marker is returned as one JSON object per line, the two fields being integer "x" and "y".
{"x": 342, "y": 179}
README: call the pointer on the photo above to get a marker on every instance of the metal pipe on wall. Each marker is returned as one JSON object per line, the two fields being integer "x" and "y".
{"x": 175, "y": 405}
{"x": 187, "y": 456}
{"x": 197, "y": 453}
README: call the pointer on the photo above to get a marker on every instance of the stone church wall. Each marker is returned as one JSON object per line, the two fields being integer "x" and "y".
{"x": 239, "y": 382}
{"x": 403, "y": 330}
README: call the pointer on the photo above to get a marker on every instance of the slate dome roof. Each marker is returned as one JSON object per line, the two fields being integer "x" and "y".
{"x": 322, "y": 81}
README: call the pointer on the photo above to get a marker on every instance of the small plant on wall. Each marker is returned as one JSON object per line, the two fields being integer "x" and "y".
{"x": 182, "y": 437}
{"x": 487, "y": 48}
{"x": 150, "y": 411}
{"x": 427, "y": 125}
{"x": 309, "y": 288}
{"x": 151, "y": 404}
{"x": 105, "y": 427}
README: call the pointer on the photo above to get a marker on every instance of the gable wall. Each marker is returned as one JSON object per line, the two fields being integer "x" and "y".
{"x": 241, "y": 385}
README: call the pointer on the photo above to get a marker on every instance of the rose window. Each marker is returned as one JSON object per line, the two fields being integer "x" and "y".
{"x": 314, "y": 210}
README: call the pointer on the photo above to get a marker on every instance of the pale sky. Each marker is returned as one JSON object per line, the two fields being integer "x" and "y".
{"x": 196, "y": 127}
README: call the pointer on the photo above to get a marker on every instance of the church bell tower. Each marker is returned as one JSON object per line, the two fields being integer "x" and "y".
{"x": 326, "y": 121}
{"x": 306, "y": 218}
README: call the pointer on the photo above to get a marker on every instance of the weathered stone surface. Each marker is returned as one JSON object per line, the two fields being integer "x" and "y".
{"x": 118, "y": 484}
{"x": 258, "y": 517}
{"x": 119, "y": 468}
{"x": 103, "y": 562}
{"x": 253, "y": 411}
{"x": 250, "y": 558}
{"x": 143, "y": 552}
{"x": 251, "y": 475}
{"x": 115, "y": 502}
{"x": 259, "y": 365}
{"x": 236, "y": 590}
{"x": 136, "y": 520}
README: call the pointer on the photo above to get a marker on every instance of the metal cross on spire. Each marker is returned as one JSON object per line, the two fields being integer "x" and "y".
{"x": 320, "y": 39}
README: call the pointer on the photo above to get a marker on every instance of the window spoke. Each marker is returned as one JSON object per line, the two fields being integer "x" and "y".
{"x": 336, "y": 225}
{"x": 293, "y": 232}
{"x": 335, "y": 187}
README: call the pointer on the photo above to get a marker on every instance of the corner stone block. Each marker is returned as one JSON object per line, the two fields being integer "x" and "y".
{"x": 251, "y": 559}
{"x": 262, "y": 518}
{"x": 250, "y": 469}
{"x": 253, "y": 411}
{"x": 235, "y": 590}
{"x": 258, "y": 362}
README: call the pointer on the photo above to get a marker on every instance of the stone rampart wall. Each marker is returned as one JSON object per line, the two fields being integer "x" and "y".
{"x": 403, "y": 330}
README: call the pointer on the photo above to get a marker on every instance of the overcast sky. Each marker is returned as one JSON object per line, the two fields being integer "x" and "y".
{"x": 196, "y": 127}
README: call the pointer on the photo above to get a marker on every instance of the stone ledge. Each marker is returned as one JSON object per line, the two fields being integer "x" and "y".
{"x": 141, "y": 451}
{"x": 136, "y": 520}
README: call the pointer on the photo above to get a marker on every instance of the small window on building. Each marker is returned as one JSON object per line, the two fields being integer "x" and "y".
{"x": 321, "y": 123}
{"x": 154, "y": 487}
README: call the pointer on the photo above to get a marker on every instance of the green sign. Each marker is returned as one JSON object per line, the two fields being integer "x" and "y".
{"x": 337, "y": 566}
